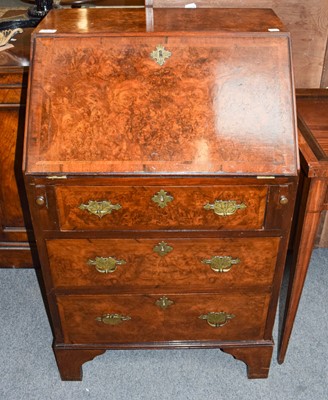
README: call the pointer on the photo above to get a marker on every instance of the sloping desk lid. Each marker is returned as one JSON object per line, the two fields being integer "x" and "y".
{"x": 178, "y": 92}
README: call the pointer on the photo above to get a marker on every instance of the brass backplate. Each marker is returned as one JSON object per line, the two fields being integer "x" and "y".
{"x": 217, "y": 319}
{"x": 162, "y": 249}
{"x": 105, "y": 265}
{"x": 100, "y": 208}
{"x": 221, "y": 263}
{"x": 224, "y": 208}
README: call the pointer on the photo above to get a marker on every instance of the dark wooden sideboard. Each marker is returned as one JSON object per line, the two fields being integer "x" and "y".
{"x": 16, "y": 237}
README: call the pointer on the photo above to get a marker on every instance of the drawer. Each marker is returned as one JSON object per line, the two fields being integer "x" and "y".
{"x": 11, "y": 95}
{"x": 128, "y": 264}
{"x": 11, "y": 79}
{"x": 168, "y": 317}
{"x": 156, "y": 208}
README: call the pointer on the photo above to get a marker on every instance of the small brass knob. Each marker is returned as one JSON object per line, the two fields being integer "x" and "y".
{"x": 40, "y": 201}
{"x": 283, "y": 200}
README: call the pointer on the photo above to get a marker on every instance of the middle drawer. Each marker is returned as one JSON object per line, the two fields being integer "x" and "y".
{"x": 129, "y": 264}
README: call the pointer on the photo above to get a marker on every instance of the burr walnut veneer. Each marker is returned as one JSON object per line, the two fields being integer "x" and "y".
{"x": 161, "y": 170}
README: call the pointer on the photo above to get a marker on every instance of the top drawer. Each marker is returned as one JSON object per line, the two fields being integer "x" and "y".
{"x": 160, "y": 208}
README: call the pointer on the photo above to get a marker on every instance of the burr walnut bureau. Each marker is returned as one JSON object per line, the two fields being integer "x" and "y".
{"x": 161, "y": 171}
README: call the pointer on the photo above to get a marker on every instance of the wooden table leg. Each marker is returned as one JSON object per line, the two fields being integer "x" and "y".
{"x": 312, "y": 200}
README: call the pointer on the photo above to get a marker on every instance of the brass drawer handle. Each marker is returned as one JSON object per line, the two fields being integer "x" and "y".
{"x": 162, "y": 249}
{"x": 221, "y": 263}
{"x": 160, "y": 55}
{"x": 217, "y": 319}
{"x": 100, "y": 208}
{"x": 162, "y": 198}
{"x": 113, "y": 319}
{"x": 223, "y": 208}
{"x": 164, "y": 302}
{"x": 105, "y": 265}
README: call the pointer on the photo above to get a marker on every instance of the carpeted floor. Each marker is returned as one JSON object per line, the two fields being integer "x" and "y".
{"x": 28, "y": 369}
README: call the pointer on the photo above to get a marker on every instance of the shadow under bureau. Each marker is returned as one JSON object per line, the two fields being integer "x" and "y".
{"x": 161, "y": 171}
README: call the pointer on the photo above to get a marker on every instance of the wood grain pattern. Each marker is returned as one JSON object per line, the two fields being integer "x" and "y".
{"x": 70, "y": 362}
{"x": 122, "y": 21}
{"x": 12, "y": 215}
{"x": 138, "y": 210}
{"x": 15, "y": 226}
{"x": 312, "y": 200}
{"x": 10, "y": 95}
{"x": 149, "y": 323}
{"x": 132, "y": 115}
{"x": 314, "y": 114}
{"x": 312, "y": 107}
{"x": 179, "y": 269}
{"x": 257, "y": 359}
{"x": 15, "y": 254}
{"x": 204, "y": 126}
{"x": 307, "y": 20}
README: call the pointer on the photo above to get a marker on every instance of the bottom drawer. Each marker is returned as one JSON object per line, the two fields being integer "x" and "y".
{"x": 171, "y": 317}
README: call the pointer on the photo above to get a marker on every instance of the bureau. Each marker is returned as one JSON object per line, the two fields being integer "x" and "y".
{"x": 161, "y": 167}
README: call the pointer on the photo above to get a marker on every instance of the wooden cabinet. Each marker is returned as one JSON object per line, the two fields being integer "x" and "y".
{"x": 312, "y": 199}
{"x": 15, "y": 226}
{"x": 161, "y": 171}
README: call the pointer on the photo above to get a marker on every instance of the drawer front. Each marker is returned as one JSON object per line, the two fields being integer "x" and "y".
{"x": 128, "y": 264}
{"x": 143, "y": 318}
{"x": 11, "y": 95}
{"x": 143, "y": 208}
{"x": 11, "y": 79}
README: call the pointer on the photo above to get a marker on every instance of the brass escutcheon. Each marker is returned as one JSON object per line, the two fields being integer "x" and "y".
{"x": 164, "y": 302}
{"x": 40, "y": 201}
{"x": 113, "y": 319}
{"x": 100, "y": 208}
{"x": 217, "y": 319}
{"x": 223, "y": 208}
{"x": 162, "y": 198}
{"x": 160, "y": 55}
{"x": 221, "y": 263}
{"x": 105, "y": 265}
{"x": 162, "y": 249}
